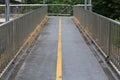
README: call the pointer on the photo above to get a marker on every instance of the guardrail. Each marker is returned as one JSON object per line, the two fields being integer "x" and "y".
{"x": 14, "y": 33}
{"x": 104, "y": 32}
{"x": 18, "y": 9}
{"x": 60, "y": 9}
{"x": 53, "y": 9}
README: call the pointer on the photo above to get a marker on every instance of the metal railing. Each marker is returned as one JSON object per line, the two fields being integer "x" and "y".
{"x": 53, "y": 9}
{"x": 104, "y": 32}
{"x": 14, "y": 33}
{"x": 18, "y": 9}
{"x": 60, "y": 9}
{"x": 64, "y": 9}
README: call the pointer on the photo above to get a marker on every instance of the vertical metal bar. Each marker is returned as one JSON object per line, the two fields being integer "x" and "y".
{"x": 109, "y": 41}
{"x": 43, "y": 1}
{"x": 85, "y": 4}
{"x": 90, "y": 7}
{"x": 7, "y": 10}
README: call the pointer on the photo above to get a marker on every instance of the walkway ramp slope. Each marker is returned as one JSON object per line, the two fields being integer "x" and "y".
{"x": 78, "y": 61}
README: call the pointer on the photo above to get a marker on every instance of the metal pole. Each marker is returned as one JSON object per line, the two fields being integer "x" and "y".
{"x": 7, "y": 10}
{"x": 90, "y": 2}
{"x": 85, "y": 2}
{"x": 43, "y": 1}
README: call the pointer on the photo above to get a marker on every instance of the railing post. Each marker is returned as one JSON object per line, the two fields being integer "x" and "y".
{"x": 7, "y": 10}
{"x": 90, "y": 7}
{"x": 43, "y": 1}
{"x": 85, "y": 6}
{"x": 109, "y": 41}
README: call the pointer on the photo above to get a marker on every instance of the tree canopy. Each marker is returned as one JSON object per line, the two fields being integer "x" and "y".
{"x": 109, "y": 8}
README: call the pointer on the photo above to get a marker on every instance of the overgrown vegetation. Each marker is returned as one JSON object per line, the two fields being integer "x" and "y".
{"x": 108, "y": 8}
{"x": 118, "y": 19}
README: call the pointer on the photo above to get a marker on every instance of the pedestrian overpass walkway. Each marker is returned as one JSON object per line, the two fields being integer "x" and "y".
{"x": 78, "y": 61}
{"x": 41, "y": 47}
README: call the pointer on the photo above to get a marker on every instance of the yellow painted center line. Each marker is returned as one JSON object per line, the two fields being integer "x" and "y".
{"x": 59, "y": 53}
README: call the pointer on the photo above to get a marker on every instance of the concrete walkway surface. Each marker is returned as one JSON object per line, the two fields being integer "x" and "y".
{"x": 78, "y": 61}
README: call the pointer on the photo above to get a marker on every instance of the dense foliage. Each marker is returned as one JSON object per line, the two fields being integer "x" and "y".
{"x": 109, "y": 8}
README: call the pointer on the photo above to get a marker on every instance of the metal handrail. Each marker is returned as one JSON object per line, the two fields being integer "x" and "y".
{"x": 60, "y": 9}
{"x": 103, "y": 31}
{"x": 14, "y": 33}
{"x": 16, "y": 9}
{"x": 35, "y": 5}
{"x": 3, "y": 5}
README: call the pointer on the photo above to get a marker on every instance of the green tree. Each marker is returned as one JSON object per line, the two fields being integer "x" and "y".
{"x": 108, "y": 8}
